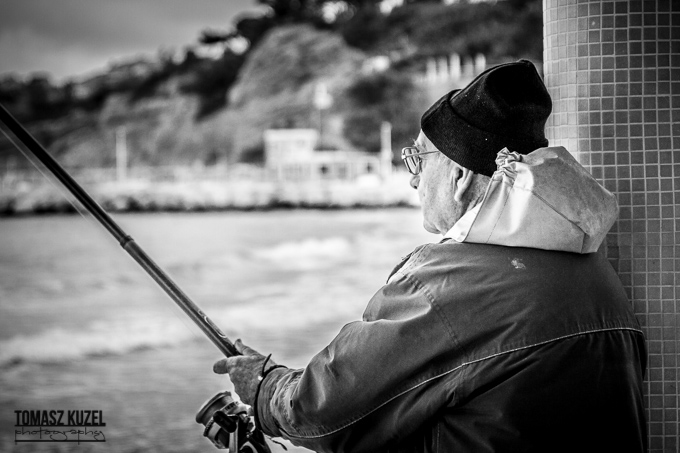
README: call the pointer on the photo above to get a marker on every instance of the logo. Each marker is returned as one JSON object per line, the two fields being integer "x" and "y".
{"x": 76, "y": 426}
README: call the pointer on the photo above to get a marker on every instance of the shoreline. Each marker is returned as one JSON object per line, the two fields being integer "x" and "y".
{"x": 25, "y": 198}
{"x": 69, "y": 210}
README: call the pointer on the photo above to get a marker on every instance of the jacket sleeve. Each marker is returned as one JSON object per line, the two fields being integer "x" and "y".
{"x": 379, "y": 380}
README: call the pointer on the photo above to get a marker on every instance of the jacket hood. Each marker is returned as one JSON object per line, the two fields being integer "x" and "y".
{"x": 544, "y": 200}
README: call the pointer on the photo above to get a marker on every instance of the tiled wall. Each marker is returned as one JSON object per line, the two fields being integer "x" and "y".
{"x": 613, "y": 70}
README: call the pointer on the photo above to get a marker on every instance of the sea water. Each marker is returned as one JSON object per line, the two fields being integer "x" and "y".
{"x": 82, "y": 327}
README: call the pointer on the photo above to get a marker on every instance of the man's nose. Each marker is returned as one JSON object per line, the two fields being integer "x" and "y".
{"x": 415, "y": 180}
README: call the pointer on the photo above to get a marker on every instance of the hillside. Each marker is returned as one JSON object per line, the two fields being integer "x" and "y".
{"x": 199, "y": 110}
{"x": 275, "y": 88}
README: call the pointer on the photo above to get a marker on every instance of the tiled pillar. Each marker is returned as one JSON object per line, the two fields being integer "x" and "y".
{"x": 613, "y": 70}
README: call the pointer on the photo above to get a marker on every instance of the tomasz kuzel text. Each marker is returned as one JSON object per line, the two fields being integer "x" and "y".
{"x": 59, "y": 426}
{"x": 59, "y": 418}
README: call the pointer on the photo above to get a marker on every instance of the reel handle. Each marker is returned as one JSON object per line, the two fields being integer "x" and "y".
{"x": 228, "y": 426}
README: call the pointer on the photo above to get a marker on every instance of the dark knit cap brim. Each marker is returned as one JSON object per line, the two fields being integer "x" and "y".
{"x": 505, "y": 106}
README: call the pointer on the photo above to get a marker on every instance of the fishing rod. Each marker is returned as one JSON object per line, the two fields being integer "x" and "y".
{"x": 226, "y": 421}
{"x": 213, "y": 333}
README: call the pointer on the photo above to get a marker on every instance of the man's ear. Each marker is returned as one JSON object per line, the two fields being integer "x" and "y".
{"x": 463, "y": 179}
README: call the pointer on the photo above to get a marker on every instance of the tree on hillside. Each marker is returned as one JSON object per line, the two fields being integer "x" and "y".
{"x": 388, "y": 96}
{"x": 509, "y": 28}
{"x": 289, "y": 10}
{"x": 211, "y": 80}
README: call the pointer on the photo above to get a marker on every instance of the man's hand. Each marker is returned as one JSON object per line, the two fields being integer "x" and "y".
{"x": 243, "y": 370}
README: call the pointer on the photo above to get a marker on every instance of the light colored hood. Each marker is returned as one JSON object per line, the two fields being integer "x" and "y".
{"x": 543, "y": 200}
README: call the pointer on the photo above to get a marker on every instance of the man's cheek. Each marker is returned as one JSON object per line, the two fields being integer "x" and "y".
{"x": 422, "y": 190}
{"x": 428, "y": 196}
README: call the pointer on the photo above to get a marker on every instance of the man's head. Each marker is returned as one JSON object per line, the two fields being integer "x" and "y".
{"x": 505, "y": 106}
{"x": 446, "y": 189}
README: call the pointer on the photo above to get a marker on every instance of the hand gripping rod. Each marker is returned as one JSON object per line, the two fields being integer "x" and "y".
{"x": 215, "y": 335}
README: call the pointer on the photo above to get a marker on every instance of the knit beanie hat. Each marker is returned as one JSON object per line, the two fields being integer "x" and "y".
{"x": 504, "y": 106}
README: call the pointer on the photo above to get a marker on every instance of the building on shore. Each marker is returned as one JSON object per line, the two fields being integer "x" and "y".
{"x": 291, "y": 155}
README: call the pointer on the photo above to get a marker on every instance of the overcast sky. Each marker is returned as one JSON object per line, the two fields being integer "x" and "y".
{"x": 75, "y": 37}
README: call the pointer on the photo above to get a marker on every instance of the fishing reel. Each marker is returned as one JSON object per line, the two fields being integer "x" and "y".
{"x": 228, "y": 425}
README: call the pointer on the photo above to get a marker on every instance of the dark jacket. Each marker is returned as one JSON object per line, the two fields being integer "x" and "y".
{"x": 475, "y": 348}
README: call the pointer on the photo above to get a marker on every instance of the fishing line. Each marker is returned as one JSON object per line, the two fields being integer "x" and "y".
{"x": 236, "y": 431}
{"x": 78, "y": 208}
{"x": 199, "y": 318}
{"x": 49, "y": 176}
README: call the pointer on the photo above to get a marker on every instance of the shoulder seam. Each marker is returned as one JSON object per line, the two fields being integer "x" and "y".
{"x": 433, "y": 302}
{"x": 409, "y": 261}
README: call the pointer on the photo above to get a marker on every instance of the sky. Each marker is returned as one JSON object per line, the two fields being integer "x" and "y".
{"x": 74, "y": 38}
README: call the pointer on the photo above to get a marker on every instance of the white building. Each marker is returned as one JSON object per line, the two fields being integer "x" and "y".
{"x": 289, "y": 145}
{"x": 290, "y": 156}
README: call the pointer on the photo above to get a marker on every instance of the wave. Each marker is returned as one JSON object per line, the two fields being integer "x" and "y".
{"x": 307, "y": 254}
{"x": 278, "y": 316}
{"x": 280, "y": 311}
{"x": 315, "y": 304}
{"x": 59, "y": 345}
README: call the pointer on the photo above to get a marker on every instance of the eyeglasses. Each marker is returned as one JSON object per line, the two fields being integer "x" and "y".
{"x": 412, "y": 160}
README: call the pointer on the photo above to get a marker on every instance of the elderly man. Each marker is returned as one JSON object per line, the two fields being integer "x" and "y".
{"x": 508, "y": 335}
